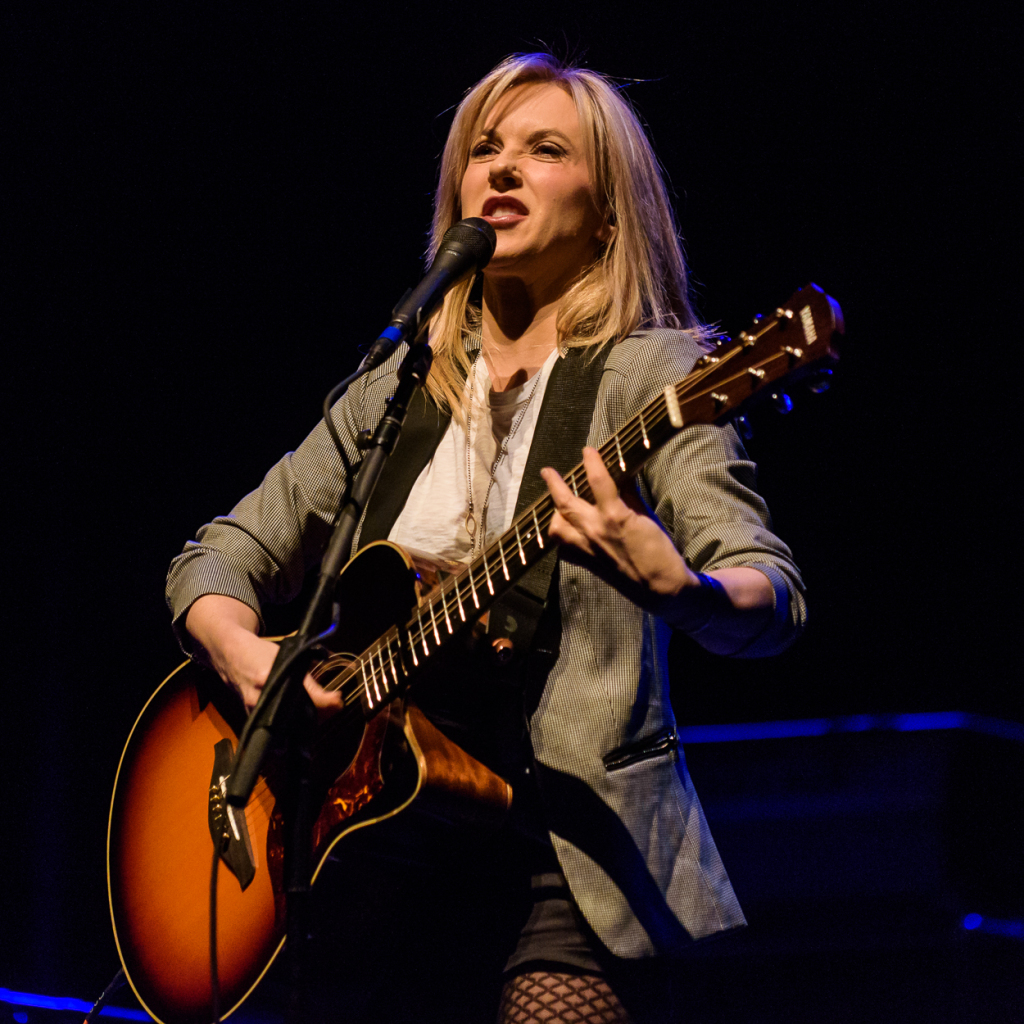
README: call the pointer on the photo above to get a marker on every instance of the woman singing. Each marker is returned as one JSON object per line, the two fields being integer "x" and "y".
{"x": 580, "y": 320}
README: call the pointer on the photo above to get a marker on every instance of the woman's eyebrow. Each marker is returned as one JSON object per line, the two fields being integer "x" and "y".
{"x": 543, "y": 133}
{"x": 494, "y": 134}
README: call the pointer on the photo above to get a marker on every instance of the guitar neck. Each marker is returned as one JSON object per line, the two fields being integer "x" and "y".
{"x": 795, "y": 341}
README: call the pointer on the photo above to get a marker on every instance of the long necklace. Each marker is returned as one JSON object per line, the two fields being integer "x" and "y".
{"x": 471, "y": 521}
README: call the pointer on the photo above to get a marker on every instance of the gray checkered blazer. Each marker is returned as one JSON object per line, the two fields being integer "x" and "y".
{"x": 624, "y": 819}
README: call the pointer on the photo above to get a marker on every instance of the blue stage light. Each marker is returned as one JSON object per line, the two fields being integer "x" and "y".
{"x": 994, "y": 926}
{"x": 919, "y": 722}
{"x": 8, "y": 995}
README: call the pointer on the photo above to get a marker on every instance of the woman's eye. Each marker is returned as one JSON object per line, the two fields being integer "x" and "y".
{"x": 482, "y": 149}
{"x": 549, "y": 149}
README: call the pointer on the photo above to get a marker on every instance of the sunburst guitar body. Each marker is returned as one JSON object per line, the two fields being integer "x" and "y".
{"x": 169, "y": 791}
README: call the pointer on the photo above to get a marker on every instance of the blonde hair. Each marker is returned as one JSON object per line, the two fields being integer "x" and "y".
{"x": 639, "y": 277}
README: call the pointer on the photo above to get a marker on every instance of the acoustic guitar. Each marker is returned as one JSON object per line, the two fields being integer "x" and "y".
{"x": 380, "y": 754}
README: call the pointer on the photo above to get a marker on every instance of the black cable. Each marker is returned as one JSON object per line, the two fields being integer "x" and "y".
{"x": 332, "y": 396}
{"x": 118, "y": 981}
{"x": 214, "y": 976}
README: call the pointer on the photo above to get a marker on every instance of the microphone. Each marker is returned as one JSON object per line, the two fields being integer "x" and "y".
{"x": 466, "y": 248}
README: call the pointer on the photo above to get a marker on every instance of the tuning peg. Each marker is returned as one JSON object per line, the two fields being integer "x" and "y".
{"x": 820, "y": 381}
{"x": 782, "y": 402}
{"x": 743, "y": 427}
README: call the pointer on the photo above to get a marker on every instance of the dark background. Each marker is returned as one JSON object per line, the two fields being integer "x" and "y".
{"x": 212, "y": 206}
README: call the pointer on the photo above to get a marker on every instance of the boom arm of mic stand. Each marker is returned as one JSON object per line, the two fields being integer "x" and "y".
{"x": 284, "y": 684}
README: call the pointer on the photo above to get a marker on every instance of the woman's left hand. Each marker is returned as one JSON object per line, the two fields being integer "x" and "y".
{"x": 616, "y": 539}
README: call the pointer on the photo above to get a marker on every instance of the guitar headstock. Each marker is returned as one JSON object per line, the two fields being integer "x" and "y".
{"x": 796, "y": 341}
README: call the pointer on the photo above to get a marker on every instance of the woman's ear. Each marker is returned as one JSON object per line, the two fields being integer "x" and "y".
{"x": 606, "y": 233}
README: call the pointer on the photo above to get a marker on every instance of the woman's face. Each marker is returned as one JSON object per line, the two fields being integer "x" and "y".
{"x": 528, "y": 177}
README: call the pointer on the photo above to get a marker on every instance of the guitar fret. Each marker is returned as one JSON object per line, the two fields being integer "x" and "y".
{"x": 447, "y": 620}
{"x": 519, "y": 543}
{"x": 412, "y": 651}
{"x": 458, "y": 601}
{"x": 618, "y": 448}
{"x": 366, "y": 685}
{"x": 423, "y": 634}
{"x": 383, "y": 670}
{"x": 536, "y": 526}
{"x": 504, "y": 566}
{"x": 373, "y": 675}
{"x": 643, "y": 431}
{"x": 487, "y": 573}
{"x": 391, "y": 662}
{"x": 472, "y": 587}
{"x": 433, "y": 622}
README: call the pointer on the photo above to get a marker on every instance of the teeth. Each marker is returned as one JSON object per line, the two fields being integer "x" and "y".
{"x": 504, "y": 211}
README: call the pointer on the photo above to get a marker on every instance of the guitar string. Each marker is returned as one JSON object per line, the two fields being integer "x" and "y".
{"x": 453, "y": 588}
{"x": 537, "y": 516}
{"x": 611, "y": 451}
{"x": 541, "y": 512}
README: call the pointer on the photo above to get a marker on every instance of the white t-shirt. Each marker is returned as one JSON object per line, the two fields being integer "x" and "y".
{"x": 434, "y": 517}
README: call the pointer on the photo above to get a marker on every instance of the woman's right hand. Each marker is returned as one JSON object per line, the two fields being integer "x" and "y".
{"x": 227, "y": 630}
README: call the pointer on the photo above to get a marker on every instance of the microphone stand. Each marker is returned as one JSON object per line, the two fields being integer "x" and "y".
{"x": 285, "y": 715}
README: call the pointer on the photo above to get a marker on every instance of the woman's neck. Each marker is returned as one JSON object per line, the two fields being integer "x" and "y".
{"x": 518, "y": 330}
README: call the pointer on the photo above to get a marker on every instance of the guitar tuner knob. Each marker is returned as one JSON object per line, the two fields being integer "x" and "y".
{"x": 782, "y": 402}
{"x": 784, "y": 314}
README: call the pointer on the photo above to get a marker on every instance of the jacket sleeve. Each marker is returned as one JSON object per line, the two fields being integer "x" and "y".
{"x": 702, "y": 485}
{"x": 259, "y": 552}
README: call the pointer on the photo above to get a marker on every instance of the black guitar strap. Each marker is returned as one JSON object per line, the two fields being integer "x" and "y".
{"x": 562, "y": 429}
{"x": 422, "y": 431}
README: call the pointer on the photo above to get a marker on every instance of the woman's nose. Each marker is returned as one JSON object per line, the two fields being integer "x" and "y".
{"x": 503, "y": 173}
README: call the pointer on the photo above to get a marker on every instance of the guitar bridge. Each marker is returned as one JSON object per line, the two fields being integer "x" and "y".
{"x": 228, "y": 829}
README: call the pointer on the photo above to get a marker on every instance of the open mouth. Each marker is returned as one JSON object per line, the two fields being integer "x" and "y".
{"x": 503, "y": 210}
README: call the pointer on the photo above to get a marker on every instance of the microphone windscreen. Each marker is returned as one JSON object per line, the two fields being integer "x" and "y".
{"x": 472, "y": 236}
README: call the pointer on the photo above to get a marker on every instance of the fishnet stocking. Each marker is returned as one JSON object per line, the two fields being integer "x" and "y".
{"x": 543, "y": 997}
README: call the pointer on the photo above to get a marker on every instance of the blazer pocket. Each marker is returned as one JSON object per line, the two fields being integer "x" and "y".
{"x": 661, "y": 744}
